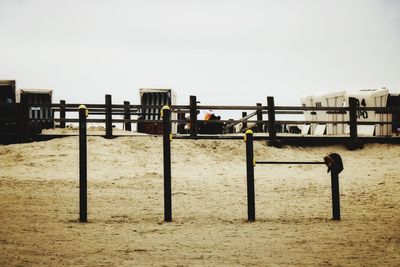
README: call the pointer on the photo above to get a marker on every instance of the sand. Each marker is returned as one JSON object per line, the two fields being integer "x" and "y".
{"x": 39, "y": 205}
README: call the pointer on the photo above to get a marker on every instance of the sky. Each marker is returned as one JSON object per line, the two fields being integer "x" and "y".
{"x": 230, "y": 52}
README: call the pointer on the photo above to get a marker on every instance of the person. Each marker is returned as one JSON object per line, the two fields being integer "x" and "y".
{"x": 209, "y": 115}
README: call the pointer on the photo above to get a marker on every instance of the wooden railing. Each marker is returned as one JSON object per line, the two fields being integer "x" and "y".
{"x": 188, "y": 114}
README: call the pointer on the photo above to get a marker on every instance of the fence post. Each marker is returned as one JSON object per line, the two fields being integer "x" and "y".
{"x": 259, "y": 119}
{"x": 244, "y": 123}
{"x": 271, "y": 121}
{"x": 353, "y": 123}
{"x": 334, "y": 163}
{"x": 335, "y": 195}
{"x": 193, "y": 116}
{"x": 108, "y": 117}
{"x": 166, "y": 117}
{"x": 127, "y": 111}
{"x": 251, "y": 210}
{"x": 82, "y": 164}
{"x": 62, "y": 113}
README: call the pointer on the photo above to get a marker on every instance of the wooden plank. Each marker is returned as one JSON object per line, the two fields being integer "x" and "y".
{"x": 108, "y": 117}
{"x": 193, "y": 116}
{"x": 127, "y": 116}
{"x": 234, "y": 122}
{"x": 271, "y": 119}
{"x": 259, "y": 124}
{"x": 62, "y": 113}
{"x": 353, "y": 122}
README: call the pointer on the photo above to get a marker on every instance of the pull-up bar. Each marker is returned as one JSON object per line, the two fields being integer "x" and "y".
{"x": 291, "y": 162}
{"x": 332, "y": 161}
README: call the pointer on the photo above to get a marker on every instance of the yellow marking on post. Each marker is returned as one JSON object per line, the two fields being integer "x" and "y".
{"x": 254, "y": 162}
{"x": 162, "y": 110}
{"x": 86, "y": 110}
{"x": 246, "y": 133}
{"x": 249, "y": 131}
{"x": 170, "y": 137}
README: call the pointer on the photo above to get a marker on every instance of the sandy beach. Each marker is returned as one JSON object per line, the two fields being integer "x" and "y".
{"x": 39, "y": 205}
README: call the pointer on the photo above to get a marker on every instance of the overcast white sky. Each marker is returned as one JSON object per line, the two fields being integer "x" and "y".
{"x": 225, "y": 52}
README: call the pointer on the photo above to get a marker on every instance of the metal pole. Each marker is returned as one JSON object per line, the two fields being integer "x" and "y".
{"x": 271, "y": 121}
{"x": 127, "y": 111}
{"x": 251, "y": 210}
{"x": 244, "y": 123}
{"x": 193, "y": 116}
{"x": 108, "y": 117}
{"x": 62, "y": 113}
{"x": 259, "y": 119}
{"x": 166, "y": 116}
{"x": 353, "y": 122}
{"x": 82, "y": 164}
{"x": 335, "y": 195}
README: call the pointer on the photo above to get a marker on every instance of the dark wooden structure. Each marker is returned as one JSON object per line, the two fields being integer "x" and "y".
{"x": 15, "y": 121}
{"x": 166, "y": 117}
{"x": 333, "y": 162}
{"x": 82, "y": 164}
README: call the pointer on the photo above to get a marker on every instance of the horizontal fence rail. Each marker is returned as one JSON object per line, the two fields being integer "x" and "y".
{"x": 260, "y": 118}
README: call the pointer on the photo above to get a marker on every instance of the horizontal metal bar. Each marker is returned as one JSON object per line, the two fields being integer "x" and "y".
{"x": 185, "y": 108}
{"x": 340, "y": 112}
{"x": 332, "y": 122}
{"x": 122, "y": 113}
{"x": 310, "y": 122}
{"x": 232, "y": 107}
{"x": 290, "y": 162}
{"x": 226, "y": 121}
{"x": 287, "y": 112}
{"x": 208, "y": 137}
{"x": 311, "y": 108}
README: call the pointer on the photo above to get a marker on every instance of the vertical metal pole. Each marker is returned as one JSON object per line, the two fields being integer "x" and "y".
{"x": 166, "y": 116}
{"x": 353, "y": 122}
{"x": 127, "y": 111}
{"x": 251, "y": 210}
{"x": 82, "y": 165}
{"x": 193, "y": 116}
{"x": 244, "y": 123}
{"x": 335, "y": 195}
{"x": 108, "y": 117}
{"x": 271, "y": 120}
{"x": 62, "y": 113}
{"x": 259, "y": 119}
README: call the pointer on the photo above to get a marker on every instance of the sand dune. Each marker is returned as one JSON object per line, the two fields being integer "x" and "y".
{"x": 39, "y": 205}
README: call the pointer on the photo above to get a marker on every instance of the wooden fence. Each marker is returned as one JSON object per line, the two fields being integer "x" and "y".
{"x": 261, "y": 117}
